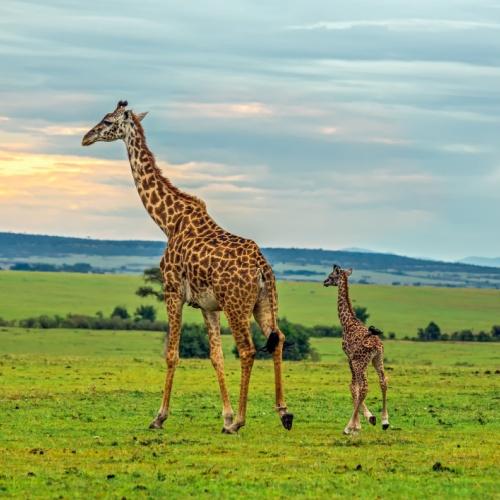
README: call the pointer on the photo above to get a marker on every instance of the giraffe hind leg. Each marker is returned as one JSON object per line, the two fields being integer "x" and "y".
{"x": 366, "y": 412}
{"x": 240, "y": 328}
{"x": 275, "y": 339}
{"x": 378, "y": 364}
{"x": 359, "y": 394}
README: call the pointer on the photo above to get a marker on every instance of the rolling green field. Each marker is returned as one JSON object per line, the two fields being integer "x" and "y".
{"x": 393, "y": 309}
{"x": 75, "y": 406}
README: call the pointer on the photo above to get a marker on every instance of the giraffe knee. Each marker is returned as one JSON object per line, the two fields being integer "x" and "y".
{"x": 247, "y": 354}
{"x": 172, "y": 360}
{"x": 216, "y": 359}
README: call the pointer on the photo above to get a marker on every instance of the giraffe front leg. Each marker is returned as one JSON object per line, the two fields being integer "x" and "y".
{"x": 174, "y": 312}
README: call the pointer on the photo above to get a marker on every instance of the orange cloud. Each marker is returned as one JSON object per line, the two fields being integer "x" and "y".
{"x": 84, "y": 195}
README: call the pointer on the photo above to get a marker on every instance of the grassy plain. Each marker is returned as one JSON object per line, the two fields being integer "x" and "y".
{"x": 392, "y": 308}
{"x": 74, "y": 409}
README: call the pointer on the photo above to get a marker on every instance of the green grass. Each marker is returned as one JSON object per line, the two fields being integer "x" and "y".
{"x": 75, "y": 405}
{"x": 398, "y": 309}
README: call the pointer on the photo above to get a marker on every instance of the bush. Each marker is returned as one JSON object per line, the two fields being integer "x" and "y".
{"x": 4, "y": 322}
{"x": 43, "y": 321}
{"x": 495, "y": 332}
{"x": 325, "y": 331}
{"x": 432, "y": 332}
{"x": 361, "y": 313}
{"x": 146, "y": 312}
{"x": 194, "y": 342}
{"x": 483, "y": 337}
{"x": 120, "y": 312}
{"x": 464, "y": 335}
{"x": 296, "y": 335}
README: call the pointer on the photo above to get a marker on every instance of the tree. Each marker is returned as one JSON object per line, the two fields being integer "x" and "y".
{"x": 430, "y": 332}
{"x": 361, "y": 313}
{"x": 152, "y": 275}
{"x": 145, "y": 313}
{"x": 495, "y": 332}
{"x": 120, "y": 312}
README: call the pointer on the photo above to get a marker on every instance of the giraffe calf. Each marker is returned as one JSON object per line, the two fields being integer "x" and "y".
{"x": 362, "y": 346}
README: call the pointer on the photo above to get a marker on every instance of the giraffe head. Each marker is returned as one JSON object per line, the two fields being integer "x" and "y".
{"x": 336, "y": 275}
{"x": 113, "y": 126}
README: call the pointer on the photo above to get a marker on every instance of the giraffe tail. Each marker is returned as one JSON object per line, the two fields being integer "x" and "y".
{"x": 267, "y": 278}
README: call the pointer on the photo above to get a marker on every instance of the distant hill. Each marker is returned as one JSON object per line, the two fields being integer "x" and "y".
{"x": 38, "y": 252}
{"x": 482, "y": 261}
{"x": 356, "y": 250}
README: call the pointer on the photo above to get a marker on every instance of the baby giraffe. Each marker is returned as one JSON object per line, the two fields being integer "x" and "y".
{"x": 361, "y": 345}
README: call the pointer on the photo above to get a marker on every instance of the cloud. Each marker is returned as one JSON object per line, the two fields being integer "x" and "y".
{"x": 468, "y": 149}
{"x": 221, "y": 110}
{"x": 53, "y": 186}
{"x": 412, "y": 24}
{"x": 322, "y": 135}
{"x": 329, "y": 130}
{"x": 60, "y": 130}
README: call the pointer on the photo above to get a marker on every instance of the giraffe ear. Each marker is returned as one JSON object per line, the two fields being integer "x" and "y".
{"x": 140, "y": 116}
{"x": 348, "y": 272}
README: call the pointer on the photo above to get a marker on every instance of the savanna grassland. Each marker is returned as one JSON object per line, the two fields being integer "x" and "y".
{"x": 399, "y": 309}
{"x": 75, "y": 406}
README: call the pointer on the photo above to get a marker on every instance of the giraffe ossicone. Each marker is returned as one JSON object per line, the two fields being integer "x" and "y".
{"x": 203, "y": 266}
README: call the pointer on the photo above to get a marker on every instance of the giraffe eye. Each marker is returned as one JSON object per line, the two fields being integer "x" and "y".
{"x": 107, "y": 122}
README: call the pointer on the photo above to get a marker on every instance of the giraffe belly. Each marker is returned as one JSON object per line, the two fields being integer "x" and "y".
{"x": 204, "y": 299}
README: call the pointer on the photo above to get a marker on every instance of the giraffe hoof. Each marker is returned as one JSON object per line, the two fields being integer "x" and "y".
{"x": 373, "y": 420}
{"x": 287, "y": 420}
{"x": 157, "y": 423}
{"x": 233, "y": 428}
{"x": 385, "y": 426}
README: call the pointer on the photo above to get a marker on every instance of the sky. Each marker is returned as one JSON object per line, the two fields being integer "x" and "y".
{"x": 319, "y": 124}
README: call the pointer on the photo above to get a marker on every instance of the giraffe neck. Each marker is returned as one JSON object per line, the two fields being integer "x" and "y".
{"x": 346, "y": 312}
{"x": 164, "y": 202}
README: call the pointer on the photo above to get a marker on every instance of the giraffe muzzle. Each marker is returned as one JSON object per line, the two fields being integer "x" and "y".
{"x": 89, "y": 138}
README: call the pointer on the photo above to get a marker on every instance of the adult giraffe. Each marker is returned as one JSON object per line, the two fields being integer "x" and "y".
{"x": 203, "y": 266}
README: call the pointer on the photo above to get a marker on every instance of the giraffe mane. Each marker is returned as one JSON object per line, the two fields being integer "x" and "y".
{"x": 186, "y": 196}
